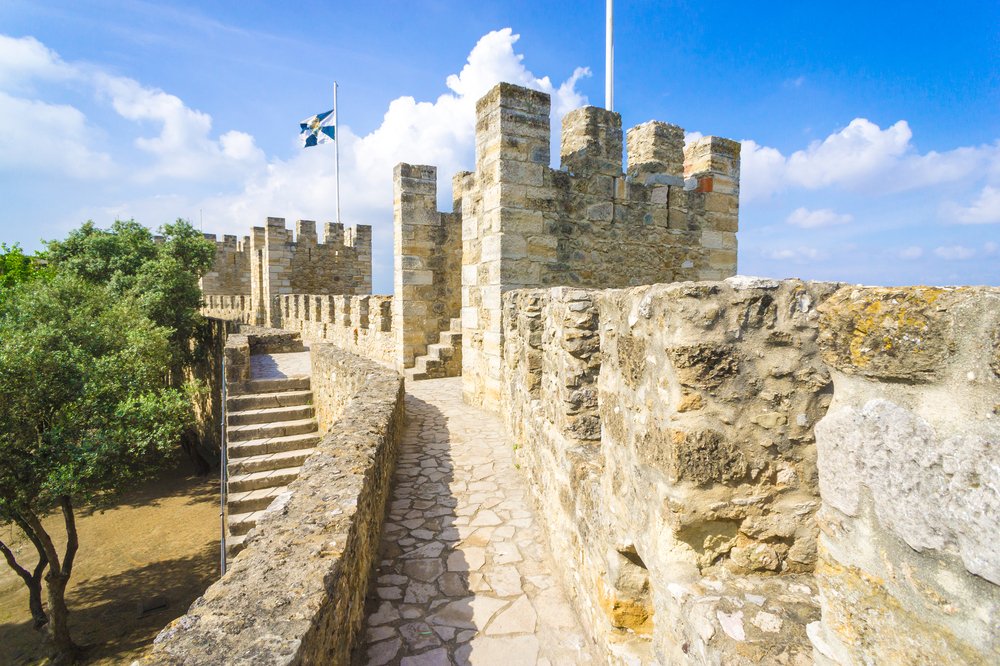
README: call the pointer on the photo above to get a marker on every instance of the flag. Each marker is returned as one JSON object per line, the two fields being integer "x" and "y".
{"x": 318, "y": 129}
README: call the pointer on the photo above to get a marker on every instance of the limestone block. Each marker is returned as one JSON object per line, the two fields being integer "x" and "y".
{"x": 592, "y": 142}
{"x": 655, "y": 148}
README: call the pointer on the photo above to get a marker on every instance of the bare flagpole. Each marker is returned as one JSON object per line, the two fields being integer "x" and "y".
{"x": 609, "y": 58}
{"x": 336, "y": 145}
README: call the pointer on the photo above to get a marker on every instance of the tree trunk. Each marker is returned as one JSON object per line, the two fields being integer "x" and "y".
{"x": 58, "y": 629}
{"x": 33, "y": 581}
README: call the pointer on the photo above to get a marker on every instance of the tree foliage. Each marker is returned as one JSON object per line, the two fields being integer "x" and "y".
{"x": 92, "y": 400}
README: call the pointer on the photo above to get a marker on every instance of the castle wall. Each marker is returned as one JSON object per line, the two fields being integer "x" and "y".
{"x": 428, "y": 261}
{"x": 286, "y": 263}
{"x": 667, "y": 433}
{"x": 909, "y": 465}
{"x": 230, "y": 274}
{"x": 296, "y": 594}
{"x": 361, "y": 325}
{"x": 672, "y": 217}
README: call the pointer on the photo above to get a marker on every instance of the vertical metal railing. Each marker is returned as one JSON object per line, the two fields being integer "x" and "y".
{"x": 223, "y": 473}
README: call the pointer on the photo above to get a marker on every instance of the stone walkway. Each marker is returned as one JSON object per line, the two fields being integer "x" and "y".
{"x": 465, "y": 576}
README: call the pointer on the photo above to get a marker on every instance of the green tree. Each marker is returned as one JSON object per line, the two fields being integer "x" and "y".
{"x": 17, "y": 267}
{"x": 160, "y": 273}
{"x": 84, "y": 414}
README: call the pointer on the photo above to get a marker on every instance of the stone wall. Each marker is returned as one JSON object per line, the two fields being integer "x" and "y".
{"x": 428, "y": 261}
{"x": 667, "y": 432}
{"x": 282, "y": 263}
{"x": 230, "y": 273}
{"x": 909, "y": 463}
{"x": 295, "y": 595}
{"x": 672, "y": 216}
{"x": 359, "y": 324}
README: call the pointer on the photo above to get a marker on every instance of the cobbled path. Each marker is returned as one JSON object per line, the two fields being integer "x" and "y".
{"x": 465, "y": 576}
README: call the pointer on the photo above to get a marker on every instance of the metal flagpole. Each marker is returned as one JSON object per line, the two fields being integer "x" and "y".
{"x": 336, "y": 146}
{"x": 609, "y": 58}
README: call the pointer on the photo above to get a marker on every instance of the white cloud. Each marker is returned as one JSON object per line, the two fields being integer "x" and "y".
{"x": 812, "y": 219}
{"x": 990, "y": 248}
{"x": 25, "y": 59}
{"x": 984, "y": 210}
{"x": 184, "y": 148}
{"x": 912, "y": 252}
{"x": 440, "y": 133}
{"x": 860, "y": 156}
{"x": 50, "y": 138}
{"x": 954, "y": 252}
{"x": 797, "y": 255}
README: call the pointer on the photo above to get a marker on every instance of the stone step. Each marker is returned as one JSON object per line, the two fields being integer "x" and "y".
{"x": 270, "y": 415}
{"x": 243, "y": 433}
{"x": 267, "y": 479}
{"x": 241, "y": 403}
{"x": 256, "y": 447}
{"x": 252, "y": 500}
{"x": 284, "y": 384}
{"x": 241, "y": 523}
{"x": 414, "y": 376}
{"x": 234, "y": 545}
{"x": 440, "y": 352}
{"x": 268, "y": 461}
{"x": 451, "y": 338}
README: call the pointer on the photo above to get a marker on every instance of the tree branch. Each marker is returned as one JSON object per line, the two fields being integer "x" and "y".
{"x": 12, "y": 561}
{"x": 50, "y": 550}
{"x": 72, "y": 542}
{"x": 26, "y": 528}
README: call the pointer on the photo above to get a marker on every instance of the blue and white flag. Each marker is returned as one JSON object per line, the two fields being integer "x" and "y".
{"x": 318, "y": 129}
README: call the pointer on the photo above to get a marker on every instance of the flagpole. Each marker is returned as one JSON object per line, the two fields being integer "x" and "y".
{"x": 609, "y": 58}
{"x": 336, "y": 146}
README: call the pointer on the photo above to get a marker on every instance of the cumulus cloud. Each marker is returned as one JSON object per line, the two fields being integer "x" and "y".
{"x": 860, "y": 156}
{"x": 812, "y": 219}
{"x": 984, "y": 210}
{"x": 37, "y": 135}
{"x": 912, "y": 252}
{"x": 439, "y": 132}
{"x": 954, "y": 252}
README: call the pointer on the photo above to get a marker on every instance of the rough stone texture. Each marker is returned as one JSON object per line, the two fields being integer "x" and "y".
{"x": 909, "y": 461}
{"x": 281, "y": 263}
{"x": 428, "y": 261}
{"x": 667, "y": 435}
{"x": 587, "y": 225}
{"x": 230, "y": 274}
{"x": 465, "y": 575}
{"x": 295, "y": 595}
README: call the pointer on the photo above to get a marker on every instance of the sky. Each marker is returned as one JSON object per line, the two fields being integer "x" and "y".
{"x": 870, "y": 131}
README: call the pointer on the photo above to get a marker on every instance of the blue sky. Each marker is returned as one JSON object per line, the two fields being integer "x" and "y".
{"x": 871, "y": 130}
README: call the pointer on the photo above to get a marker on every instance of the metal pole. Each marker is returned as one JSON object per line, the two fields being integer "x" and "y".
{"x": 223, "y": 474}
{"x": 336, "y": 145}
{"x": 609, "y": 58}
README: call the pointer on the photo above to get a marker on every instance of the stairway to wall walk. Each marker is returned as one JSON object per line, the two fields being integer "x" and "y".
{"x": 271, "y": 429}
{"x": 443, "y": 358}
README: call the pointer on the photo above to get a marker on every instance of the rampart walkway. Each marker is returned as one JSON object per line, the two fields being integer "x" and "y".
{"x": 465, "y": 576}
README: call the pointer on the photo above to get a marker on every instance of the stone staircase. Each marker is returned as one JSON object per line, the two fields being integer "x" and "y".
{"x": 443, "y": 358}
{"x": 271, "y": 429}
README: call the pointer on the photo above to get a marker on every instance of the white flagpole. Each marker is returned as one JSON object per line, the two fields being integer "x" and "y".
{"x": 609, "y": 58}
{"x": 336, "y": 145}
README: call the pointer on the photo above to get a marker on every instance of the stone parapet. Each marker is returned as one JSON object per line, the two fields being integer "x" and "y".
{"x": 667, "y": 432}
{"x": 296, "y": 594}
{"x": 909, "y": 473}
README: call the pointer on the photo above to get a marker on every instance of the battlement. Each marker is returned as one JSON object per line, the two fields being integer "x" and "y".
{"x": 230, "y": 274}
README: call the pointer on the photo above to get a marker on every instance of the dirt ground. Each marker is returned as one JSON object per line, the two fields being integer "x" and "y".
{"x": 160, "y": 542}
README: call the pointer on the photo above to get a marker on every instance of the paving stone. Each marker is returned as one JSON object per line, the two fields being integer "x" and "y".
{"x": 463, "y": 550}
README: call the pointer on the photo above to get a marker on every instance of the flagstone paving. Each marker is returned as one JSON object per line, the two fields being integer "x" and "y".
{"x": 465, "y": 577}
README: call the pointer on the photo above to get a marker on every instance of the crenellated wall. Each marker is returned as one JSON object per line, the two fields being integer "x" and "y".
{"x": 909, "y": 473}
{"x": 283, "y": 263}
{"x": 667, "y": 432}
{"x": 230, "y": 274}
{"x": 359, "y": 324}
{"x": 671, "y": 217}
